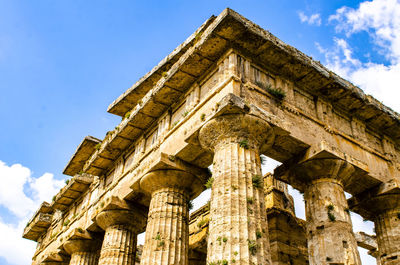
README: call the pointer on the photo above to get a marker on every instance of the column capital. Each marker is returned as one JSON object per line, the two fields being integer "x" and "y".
{"x": 172, "y": 178}
{"x": 370, "y": 207}
{"x": 245, "y": 129}
{"x": 81, "y": 245}
{"x": 316, "y": 170}
{"x": 119, "y": 212}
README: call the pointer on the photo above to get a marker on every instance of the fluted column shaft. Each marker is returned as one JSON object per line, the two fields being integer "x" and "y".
{"x": 238, "y": 228}
{"x": 387, "y": 228}
{"x": 330, "y": 236}
{"x": 167, "y": 232}
{"x": 84, "y": 258}
{"x": 119, "y": 245}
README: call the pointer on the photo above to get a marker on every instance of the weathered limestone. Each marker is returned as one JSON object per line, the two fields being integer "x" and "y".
{"x": 121, "y": 228}
{"x": 238, "y": 226}
{"x": 329, "y": 229}
{"x": 297, "y": 112}
{"x": 384, "y": 211}
{"x": 167, "y": 231}
{"x": 83, "y": 251}
{"x": 387, "y": 226}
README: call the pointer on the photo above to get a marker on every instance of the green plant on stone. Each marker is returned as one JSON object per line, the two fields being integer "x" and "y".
{"x": 66, "y": 222}
{"x": 330, "y": 207}
{"x": 161, "y": 243}
{"x": 250, "y": 200}
{"x": 190, "y": 205}
{"x": 158, "y": 236}
{"x": 244, "y": 144}
{"x": 185, "y": 113}
{"x": 257, "y": 181}
{"x": 209, "y": 183}
{"x": 258, "y": 234}
{"x": 224, "y": 239}
{"x": 224, "y": 262}
{"x": 252, "y": 246}
{"x": 202, "y": 222}
{"x": 276, "y": 92}
{"x": 331, "y": 217}
{"x": 219, "y": 240}
{"x": 97, "y": 147}
{"x": 207, "y": 206}
{"x": 66, "y": 181}
{"x": 202, "y": 117}
{"x": 263, "y": 159}
{"x": 126, "y": 116}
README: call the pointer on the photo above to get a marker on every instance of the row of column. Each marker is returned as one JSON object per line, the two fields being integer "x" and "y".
{"x": 238, "y": 230}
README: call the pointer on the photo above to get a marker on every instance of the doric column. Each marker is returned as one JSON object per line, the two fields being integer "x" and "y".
{"x": 167, "y": 231}
{"x": 238, "y": 231}
{"x": 83, "y": 251}
{"x": 329, "y": 229}
{"x": 385, "y": 212}
{"x": 121, "y": 228}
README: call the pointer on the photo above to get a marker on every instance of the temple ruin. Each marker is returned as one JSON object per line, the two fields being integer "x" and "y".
{"x": 230, "y": 93}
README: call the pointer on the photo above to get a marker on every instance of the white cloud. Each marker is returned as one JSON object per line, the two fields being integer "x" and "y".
{"x": 45, "y": 187}
{"x": 314, "y": 19}
{"x": 12, "y": 194}
{"x": 381, "y": 20}
{"x": 15, "y": 249}
{"x": 14, "y": 179}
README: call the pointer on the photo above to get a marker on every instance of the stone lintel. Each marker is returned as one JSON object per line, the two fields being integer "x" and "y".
{"x": 376, "y": 200}
{"x": 78, "y": 233}
{"x": 166, "y": 161}
{"x": 82, "y": 153}
{"x": 39, "y": 223}
{"x": 231, "y": 29}
{"x": 37, "y": 226}
{"x": 366, "y": 241}
{"x": 73, "y": 190}
{"x": 358, "y": 181}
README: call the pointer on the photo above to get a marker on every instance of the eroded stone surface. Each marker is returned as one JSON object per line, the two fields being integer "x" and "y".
{"x": 231, "y": 92}
{"x": 238, "y": 224}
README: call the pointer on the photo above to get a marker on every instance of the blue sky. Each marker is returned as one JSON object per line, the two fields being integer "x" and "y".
{"x": 63, "y": 62}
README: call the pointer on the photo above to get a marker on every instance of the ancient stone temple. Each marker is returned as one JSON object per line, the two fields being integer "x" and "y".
{"x": 230, "y": 93}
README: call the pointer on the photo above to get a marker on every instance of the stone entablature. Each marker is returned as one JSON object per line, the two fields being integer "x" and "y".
{"x": 228, "y": 94}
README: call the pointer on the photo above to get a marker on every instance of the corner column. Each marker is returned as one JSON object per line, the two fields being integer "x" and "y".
{"x": 238, "y": 230}
{"x": 385, "y": 212}
{"x": 329, "y": 228}
{"x": 121, "y": 228}
{"x": 167, "y": 231}
{"x": 83, "y": 251}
